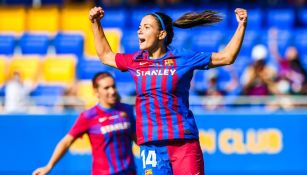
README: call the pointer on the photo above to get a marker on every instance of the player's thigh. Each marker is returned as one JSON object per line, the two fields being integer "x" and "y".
{"x": 189, "y": 159}
{"x": 155, "y": 160}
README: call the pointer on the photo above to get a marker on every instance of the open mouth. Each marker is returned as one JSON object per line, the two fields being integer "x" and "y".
{"x": 141, "y": 40}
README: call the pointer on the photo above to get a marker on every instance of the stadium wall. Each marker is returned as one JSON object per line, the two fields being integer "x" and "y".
{"x": 233, "y": 143}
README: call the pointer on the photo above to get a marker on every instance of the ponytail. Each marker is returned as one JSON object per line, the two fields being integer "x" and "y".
{"x": 188, "y": 20}
{"x": 193, "y": 19}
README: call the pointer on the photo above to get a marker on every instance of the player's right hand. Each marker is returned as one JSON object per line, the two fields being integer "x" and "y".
{"x": 41, "y": 171}
{"x": 96, "y": 14}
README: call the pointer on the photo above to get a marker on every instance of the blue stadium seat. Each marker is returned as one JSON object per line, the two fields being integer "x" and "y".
{"x": 47, "y": 95}
{"x": 34, "y": 43}
{"x": 87, "y": 68}
{"x": 181, "y": 39}
{"x": 116, "y": 17}
{"x": 7, "y": 44}
{"x": 130, "y": 41}
{"x": 301, "y": 44}
{"x": 250, "y": 39}
{"x": 69, "y": 43}
{"x": 138, "y": 13}
{"x": 124, "y": 83}
{"x": 176, "y": 12}
{"x": 303, "y": 17}
{"x": 281, "y": 18}
{"x": 207, "y": 39}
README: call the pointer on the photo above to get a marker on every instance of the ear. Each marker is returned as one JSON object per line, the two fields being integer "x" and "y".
{"x": 162, "y": 35}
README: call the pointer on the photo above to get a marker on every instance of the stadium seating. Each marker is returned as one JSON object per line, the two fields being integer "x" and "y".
{"x": 88, "y": 67}
{"x": 47, "y": 95}
{"x": 280, "y": 18}
{"x": 43, "y": 19}
{"x": 85, "y": 92}
{"x": 12, "y": 19}
{"x": 31, "y": 43}
{"x": 137, "y": 15}
{"x": 27, "y": 65}
{"x": 207, "y": 39}
{"x": 124, "y": 83}
{"x": 3, "y": 70}
{"x": 115, "y": 18}
{"x": 130, "y": 41}
{"x": 301, "y": 43}
{"x": 302, "y": 16}
{"x": 181, "y": 38}
{"x": 69, "y": 43}
{"x": 59, "y": 69}
{"x": 7, "y": 44}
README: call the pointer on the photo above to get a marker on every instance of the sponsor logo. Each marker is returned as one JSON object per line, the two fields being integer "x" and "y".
{"x": 142, "y": 63}
{"x": 114, "y": 127}
{"x": 155, "y": 72}
{"x": 148, "y": 172}
{"x": 168, "y": 62}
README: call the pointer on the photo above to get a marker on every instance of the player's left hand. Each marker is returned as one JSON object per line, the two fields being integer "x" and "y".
{"x": 241, "y": 15}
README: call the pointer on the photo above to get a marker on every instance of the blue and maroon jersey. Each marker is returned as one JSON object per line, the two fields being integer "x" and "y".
{"x": 162, "y": 87}
{"x": 110, "y": 132}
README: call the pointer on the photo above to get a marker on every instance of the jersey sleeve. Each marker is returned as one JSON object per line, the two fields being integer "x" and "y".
{"x": 80, "y": 126}
{"x": 123, "y": 61}
{"x": 200, "y": 60}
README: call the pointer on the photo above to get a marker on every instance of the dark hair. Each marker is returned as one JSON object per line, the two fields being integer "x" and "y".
{"x": 187, "y": 20}
{"x": 98, "y": 76}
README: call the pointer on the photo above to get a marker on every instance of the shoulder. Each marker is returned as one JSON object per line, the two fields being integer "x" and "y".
{"x": 89, "y": 113}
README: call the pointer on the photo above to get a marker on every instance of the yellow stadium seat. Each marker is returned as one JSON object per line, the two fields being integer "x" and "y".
{"x": 113, "y": 35}
{"x": 75, "y": 18}
{"x": 12, "y": 19}
{"x": 86, "y": 93}
{"x": 59, "y": 69}
{"x": 28, "y": 66}
{"x": 3, "y": 69}
{"x": 43, "y": 19}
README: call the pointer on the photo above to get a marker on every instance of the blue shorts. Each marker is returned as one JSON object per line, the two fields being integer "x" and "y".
{"x": 176, "y": 157}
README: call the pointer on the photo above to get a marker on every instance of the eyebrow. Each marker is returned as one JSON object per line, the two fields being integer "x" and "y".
{"x": 145, "y": 25}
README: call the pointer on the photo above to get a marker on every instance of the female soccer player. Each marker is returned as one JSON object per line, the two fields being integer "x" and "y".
{"x": 110, "y": 126}
{"x": 166, "y": 129}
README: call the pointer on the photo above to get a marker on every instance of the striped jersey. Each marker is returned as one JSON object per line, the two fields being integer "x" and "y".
{"x": 110, "y": 132}
{"x": 162, "y": 87}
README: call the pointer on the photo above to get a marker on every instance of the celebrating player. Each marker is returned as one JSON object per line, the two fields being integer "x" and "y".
{"x": 166, "y": 129}
{"x": 111, "y": 129}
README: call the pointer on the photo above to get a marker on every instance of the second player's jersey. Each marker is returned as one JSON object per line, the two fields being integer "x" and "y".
{"x": 110, "y": 132}
{"x": 162, "y": 87}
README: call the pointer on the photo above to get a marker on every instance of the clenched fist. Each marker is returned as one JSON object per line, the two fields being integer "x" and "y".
{"x": 96, "y": 14}
{"x": 241, "y": 15}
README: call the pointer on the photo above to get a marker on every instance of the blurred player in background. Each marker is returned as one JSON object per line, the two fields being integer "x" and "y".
{"x": 166, "y": 129}
{"x": 111, "y": 129}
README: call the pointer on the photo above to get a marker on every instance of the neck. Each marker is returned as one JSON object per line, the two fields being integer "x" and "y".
{"x": 157, "y": 53}
{"x": 105, "y": 105}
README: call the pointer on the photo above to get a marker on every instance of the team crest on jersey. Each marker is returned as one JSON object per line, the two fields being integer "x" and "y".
{"x": 168, "y": 62}
{"x": 148, "y": 172}
{"x": 123, "y": 114}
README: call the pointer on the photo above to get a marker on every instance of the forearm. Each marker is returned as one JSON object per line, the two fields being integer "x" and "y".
{"x": 233, "y": 47}
{"x": 101, "y": 43}
{"x": 60, "y": 150}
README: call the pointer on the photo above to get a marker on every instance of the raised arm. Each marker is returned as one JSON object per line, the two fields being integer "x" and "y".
{"x": 103, "y": 49}
{"x": 230, "y": 52}
{"x": 58, "y": 152}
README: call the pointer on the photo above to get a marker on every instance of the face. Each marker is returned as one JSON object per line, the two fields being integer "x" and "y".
{"x": 291, "y": 53}
{"x": 149, "y": 35}
{"x": 106, "y": 92}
